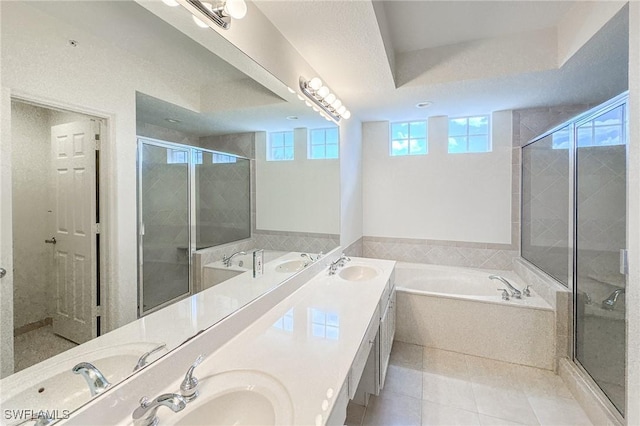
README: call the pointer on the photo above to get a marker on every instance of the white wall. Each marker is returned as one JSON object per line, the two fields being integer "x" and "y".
{"x": 98, "y": 78}
{"x": 301, "y": 195}
{"x": 438, "y": 196}
{"x": 351, "y": 182}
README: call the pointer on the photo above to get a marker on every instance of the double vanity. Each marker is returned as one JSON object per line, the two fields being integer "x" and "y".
{"x": 295, "y": 355}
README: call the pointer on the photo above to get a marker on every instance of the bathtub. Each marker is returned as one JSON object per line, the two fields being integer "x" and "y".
{"x": 461, "y": 310}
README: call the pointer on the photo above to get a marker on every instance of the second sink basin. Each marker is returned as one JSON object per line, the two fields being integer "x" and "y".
{"x": 291, "y": 266}
{"x": 358, "y": 273}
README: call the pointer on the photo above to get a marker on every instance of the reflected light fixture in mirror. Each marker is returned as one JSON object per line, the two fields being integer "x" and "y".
{"x": 322, "y": 98}
{"x": 205, "y": 13}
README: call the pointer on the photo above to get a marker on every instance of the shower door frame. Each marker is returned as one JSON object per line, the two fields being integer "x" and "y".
{"x": 573, "y": 123}
{"x": 141, "y": 140}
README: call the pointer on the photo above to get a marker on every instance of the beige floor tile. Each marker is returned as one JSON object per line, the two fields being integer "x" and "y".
{"x": 543, "y": 383}
{"x": 492, "y": 373}
{"x": 494, "y": 421}
{"x": 390, "y": 409}
{"x": 403, "y": 381}
{"x": 559, "y": 412}
{"x": 406, "y": 355}
{"x": 441, "y": 415}
{"x": 355, "y": 414}
{"x": 449, "y": 391}
{"x": 445, "y": 363}
{"x": 504, "y": 403}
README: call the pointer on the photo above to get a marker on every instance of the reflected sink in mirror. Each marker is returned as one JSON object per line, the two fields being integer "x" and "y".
{"x": 358, "y": 273}
{"x": 239, "y": 397}
{"x": 291, "y": 266}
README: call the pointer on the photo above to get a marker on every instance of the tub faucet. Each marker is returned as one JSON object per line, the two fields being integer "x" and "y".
{"x": 514, "y": 291}
{"x": 610, "y": 302}
{"x": 227, "y": 260}
{"x": 95, "y": 379}
{"x": 145, "y": 414}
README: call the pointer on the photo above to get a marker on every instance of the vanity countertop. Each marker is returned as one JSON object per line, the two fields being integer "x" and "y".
{"x": 306, "y": 344}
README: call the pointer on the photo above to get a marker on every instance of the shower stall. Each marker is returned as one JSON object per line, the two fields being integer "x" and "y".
{"x": 574, "y": 229}
{"x": 189, "y": 198}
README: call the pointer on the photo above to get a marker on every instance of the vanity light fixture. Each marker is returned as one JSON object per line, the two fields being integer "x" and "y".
{"x": 323, "y": 99}
{"x": 220, "y": 14}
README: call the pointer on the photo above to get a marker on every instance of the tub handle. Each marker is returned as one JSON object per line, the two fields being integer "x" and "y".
{"x": 505, "y": 293}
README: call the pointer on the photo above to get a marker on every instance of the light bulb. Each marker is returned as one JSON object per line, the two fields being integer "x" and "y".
{"x": 315, "y": 83}
{"x": 323, "y": 91}
{"x": 336, "y": 104}
{"x": 307, "y": 103}
{"x": 172, "y": 3}
{"x": 237, "y": 9}
{"x": 315, "y": 108}
{"x": 199, "y": 22}
{"x": 346, "y": 115}
{"x": 300, "y": 97}
{"x": 290, "y": 90}
{"x": 341, "y": 110}
{"x": 330, "y": 98}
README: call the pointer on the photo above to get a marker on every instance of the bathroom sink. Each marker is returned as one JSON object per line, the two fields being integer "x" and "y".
{"x": 238, "y": 397}
{"x": 291, "y": 266}
{"x": 358, "y": 273}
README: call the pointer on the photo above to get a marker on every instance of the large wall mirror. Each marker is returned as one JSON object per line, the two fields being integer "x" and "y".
{"x": 89, "y": 90}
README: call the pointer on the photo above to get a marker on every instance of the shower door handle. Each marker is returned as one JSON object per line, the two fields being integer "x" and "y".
{"x": 3, "y": 272}
{"x": 51, "y": 241}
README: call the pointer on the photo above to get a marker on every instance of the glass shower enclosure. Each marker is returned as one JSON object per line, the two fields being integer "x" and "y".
{"x": 574, "y": 229}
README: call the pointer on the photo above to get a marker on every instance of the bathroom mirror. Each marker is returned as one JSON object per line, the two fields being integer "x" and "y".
{"x": 123, "y": 72}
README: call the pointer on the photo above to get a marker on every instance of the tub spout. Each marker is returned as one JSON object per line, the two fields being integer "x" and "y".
{"x": 514, "y": 291}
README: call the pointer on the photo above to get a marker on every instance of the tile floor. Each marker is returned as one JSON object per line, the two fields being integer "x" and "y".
{"x": 37, "y": 345}
{"x": 426, "y": 386}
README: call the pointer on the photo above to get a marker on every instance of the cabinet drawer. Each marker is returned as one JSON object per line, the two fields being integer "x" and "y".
{"x": 360, "y": 359}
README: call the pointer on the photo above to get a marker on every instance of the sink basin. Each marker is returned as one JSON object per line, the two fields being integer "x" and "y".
{"x": 358, "y": 273}
{"x": 238, "y": 397}
{"x": 291, "y": 266}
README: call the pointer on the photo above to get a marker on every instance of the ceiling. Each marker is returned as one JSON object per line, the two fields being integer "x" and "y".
{"x": 362, "y": 50}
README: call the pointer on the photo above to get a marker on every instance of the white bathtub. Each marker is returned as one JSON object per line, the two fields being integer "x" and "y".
{"x": 461, "y": 310}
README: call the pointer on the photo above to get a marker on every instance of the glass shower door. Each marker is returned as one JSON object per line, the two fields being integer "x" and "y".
{"x": 600, "y": 235}
{"x": 163, "y": 197}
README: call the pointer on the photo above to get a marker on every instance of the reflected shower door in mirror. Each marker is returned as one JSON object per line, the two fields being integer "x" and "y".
{"x": 546, "y": 203}
{"x": 601, "y": 156}
{"x": 164, "y": 224}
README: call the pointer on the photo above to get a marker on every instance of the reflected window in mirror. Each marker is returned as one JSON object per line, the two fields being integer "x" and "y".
{"x": 323, "y": 144}
{"x": 280, "y": 146}
{"x": 178, "y": 156}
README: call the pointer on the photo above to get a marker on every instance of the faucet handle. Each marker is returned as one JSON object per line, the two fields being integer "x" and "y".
{"x": 505, "y": 293}
{"x": 189, "y": 386}
{"x": 527, "y": 291}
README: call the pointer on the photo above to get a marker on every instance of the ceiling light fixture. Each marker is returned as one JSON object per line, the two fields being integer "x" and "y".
{"x": 220, "y": 14}
{"x": 322, "y": 97}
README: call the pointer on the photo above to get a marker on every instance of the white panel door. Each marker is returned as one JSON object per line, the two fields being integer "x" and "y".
{"x": 73, "y": 208}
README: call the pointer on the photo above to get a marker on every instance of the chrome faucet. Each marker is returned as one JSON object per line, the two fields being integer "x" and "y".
{"x": 145, "y": 414}
{"x": 514, "y": 291}
{"x": 308, "y": 256}
{"x": 610, "y": 302}
{"x": 227, "y": 260}
{"x": 95, "y": 379}
{"x": 189, "y": 386}
{"x": 142, "y": 361}
{"x": 333, "y": 267}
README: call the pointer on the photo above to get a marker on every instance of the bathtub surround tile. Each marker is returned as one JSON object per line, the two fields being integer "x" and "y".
{"x": 508, "y": 404}
{"x": 391, "y": 409}
{"x": 559, "y": 411}
{"x": 441, "y": 415}
{"x": 406, "y": 355}
{"x": 354, "y": 249}
{"x": 494, "y": 373}
{"x": 448, "y": 391}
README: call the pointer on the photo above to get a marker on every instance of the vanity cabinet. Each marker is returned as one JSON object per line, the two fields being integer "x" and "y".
{"x": 372, "y": 377}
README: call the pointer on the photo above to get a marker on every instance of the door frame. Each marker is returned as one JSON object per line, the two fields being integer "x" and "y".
{"x": 106, "y": 210}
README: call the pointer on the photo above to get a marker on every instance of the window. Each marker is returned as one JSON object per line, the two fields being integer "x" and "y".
{"x": 323, "y": 143}
{"x": 177, "y": 156}
{"x": 280, "y": 146}
{"x": 408, "y": 138}
{"x": 604, "y": 130}
{"x": 217, "y": 158}
{"x": 469, "y": 134}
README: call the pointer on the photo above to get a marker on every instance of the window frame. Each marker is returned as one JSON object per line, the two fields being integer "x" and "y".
{"x": 310, "y": 143}
{"x": 269, "y": 153}
{"x": 467, "y": 135}
{"x": 409, "y": 138}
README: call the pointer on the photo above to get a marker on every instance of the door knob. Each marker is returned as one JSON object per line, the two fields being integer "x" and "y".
{"x": 51, "y": 241}
{"x": 3, "y": 272}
